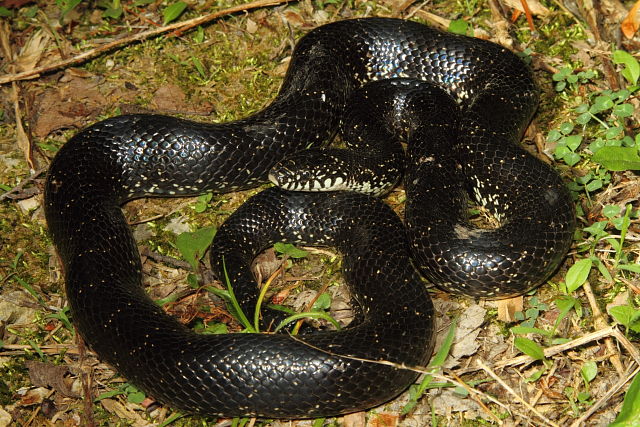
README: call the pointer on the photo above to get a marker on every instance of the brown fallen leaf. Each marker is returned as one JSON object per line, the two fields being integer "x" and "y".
{"x": 535, "y": 6}
{"x": 32, "y": 51}
{"x": 357, "y": 419}
{"x": 169, "y": 97}
{"x": 507, "y": 308}
{"x": 384, "y": 420}
{"x": 68, "y": 105}
{"x": 48, "y": 375}
{"x": 631, "y": 22}
{"x": 121, "y": 411}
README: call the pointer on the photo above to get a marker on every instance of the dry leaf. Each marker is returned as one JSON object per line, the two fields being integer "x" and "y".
{"x": 535, "y": 6}
{"x": 47, "y": 375}
{"x": 252, "y": 27}
{"x": 293, "y": 18}
{"x": 32, "y": 51}
{"x": 170, "y": 97}
{"x": 631, "y": 22}
{"x": 466, "y": 341}
{"x": 507, "y": 308}
{"x": 383, "y": 420}
{"x": 265, "y": 265}
{"x": 356, "y": 419}
{"x": 67, "y": 105}
{"x": 121, "y": 411}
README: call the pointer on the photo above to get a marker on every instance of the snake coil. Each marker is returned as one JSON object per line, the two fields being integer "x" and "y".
{"x": 324, "y": 373}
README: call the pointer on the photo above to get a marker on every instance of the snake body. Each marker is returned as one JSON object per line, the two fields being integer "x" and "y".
{"x": 324, "y": 373}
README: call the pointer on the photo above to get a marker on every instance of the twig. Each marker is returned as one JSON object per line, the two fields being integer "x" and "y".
{"x": 165, "y": 259}
{"x": 600, "y": 323}
{"x": 47, "y": 349}
{"x": 477, "y": 400}
{"x": 21, "y": 185}
{"x": 178, "y": 27}
{"x": 493, "y": 375}
{"x": 593, "y": 336}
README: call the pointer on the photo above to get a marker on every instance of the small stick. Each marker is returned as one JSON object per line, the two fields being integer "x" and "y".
{"x": 477, "y": 400}
{"x": 600, "y": 323}
{"x": 22, "y": 184}
{"x": 593, "y": 336}
{"x": 493, "y": 375}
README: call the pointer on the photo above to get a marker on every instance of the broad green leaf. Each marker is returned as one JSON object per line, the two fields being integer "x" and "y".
{"x": 536, "y": 375}
{"x": 618, "y": 158}
{"x": 529, "y": 347}
{"x": 601, "y": 103}
{"x": 611, "y": 211}
{"x": 69, "y": 6}
{"x": 573, "y": 141}
{"x": 594, "y": 185}
{"x": 215, "y": 329}
{"x": 571, "y": 158}
{"x": 565, "y": 304}
{"x": 561, "y": 150}
{"x": 133, "y": 394}
{"x": 589, "y": 371}
{"x": 630, "y": 267}
{"x": 112, "y": 12}
{"x": 460, "y": 26}
{"x": 583, "y": 396}
{"x": 597, "y": 228}
{"x": 203, "y": 202}
{"x": 584, "y": 118}
{"x": 631, "y": 71}
{"x": 582, "y": 108}
{"x": 623, "y": 110}
{"x": 629, "y": 416}
{"x": 624, "y": 314}
{"x": 173, "y": 11}
{"x": 613, "y": 132}
{"x": 290, "y": 250}
{"x": 566, "y": 128}
{"x": 192, "y": 246}
{"x": 136, "y": 397}
{"x": 578, "y": 274}
{"x": 554, "y": 135}
{"x": 323, "y": 302}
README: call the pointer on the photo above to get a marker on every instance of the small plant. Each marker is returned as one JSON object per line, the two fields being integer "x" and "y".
{"x": 131, "y": 392}
{"x": 417, "y": 390}
{"x": 173, "y": 11}
{"x": 606, "y": 112}
{"x": 202, "y": 202}
{"x": 628, "y": 316}
{"x": 460, "y": 26}
{"x": 565, "y": 77}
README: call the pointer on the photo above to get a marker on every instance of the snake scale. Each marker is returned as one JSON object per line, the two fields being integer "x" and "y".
{"x": 462, "y": 139}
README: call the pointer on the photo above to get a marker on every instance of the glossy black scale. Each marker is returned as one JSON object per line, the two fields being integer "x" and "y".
{"x": 275, "y": 375}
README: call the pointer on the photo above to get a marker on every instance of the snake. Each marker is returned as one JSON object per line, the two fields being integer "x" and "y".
{"x": 480, "y": 98}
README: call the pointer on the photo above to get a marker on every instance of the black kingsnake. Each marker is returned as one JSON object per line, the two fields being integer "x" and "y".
{"x": 321, "y": 373}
